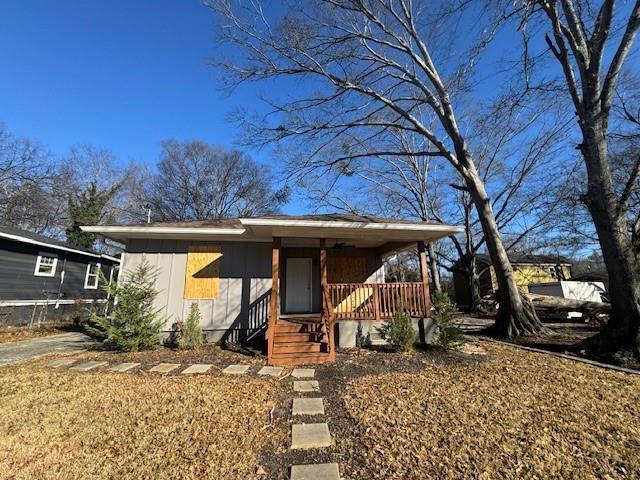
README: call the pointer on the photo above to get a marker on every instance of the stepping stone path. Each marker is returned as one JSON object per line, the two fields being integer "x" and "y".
{"x": 63, "y": 362}
{"x": 308, "y": 406}
{"x": 124, "y": 367}
{"x": 321, "y": 471}
{"x": 197, "y": 368}
{"x": 306, "y": 436}
{"x": 85, "y": 367}
{"x": 310, "y": 435}
{"x": 271, "y": 371}
{"x": 306, "y": 386}
{"x": 236, "y": 369}
{"x": 164, "y": 367}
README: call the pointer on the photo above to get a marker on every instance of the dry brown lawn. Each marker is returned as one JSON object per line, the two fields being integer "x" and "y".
{"x": 516, "y": 415}
{"x": 66, "y": 425}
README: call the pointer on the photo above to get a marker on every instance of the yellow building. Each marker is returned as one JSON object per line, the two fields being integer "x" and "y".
{"x": 528, "y": 270}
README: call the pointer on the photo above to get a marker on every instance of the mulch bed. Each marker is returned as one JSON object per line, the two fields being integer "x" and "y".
{"x": 435, "y": 414}
{"x": 334, "y": 379}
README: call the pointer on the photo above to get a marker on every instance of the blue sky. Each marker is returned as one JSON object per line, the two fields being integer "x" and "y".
{"x": 121, "y": 74}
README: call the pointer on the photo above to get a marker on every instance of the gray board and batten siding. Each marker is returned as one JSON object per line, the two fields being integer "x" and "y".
{"x": 240, "y": 311}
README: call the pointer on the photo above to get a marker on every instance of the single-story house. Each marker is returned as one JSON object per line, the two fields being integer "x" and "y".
{"x": 302, "y": 283}
{"x": 44, "y": 279}
{"x": 528, "y": 270}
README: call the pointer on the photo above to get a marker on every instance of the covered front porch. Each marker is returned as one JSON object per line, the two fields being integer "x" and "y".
{"x": 318, "y": 284}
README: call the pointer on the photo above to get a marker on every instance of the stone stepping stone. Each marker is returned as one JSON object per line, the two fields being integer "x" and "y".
{"x": 321, "y": 471}
{"x": 310, "y": 435}
{"x": 197, "y": 368}
{"x": 236, "y": 369}
{"x": 303, "y": 373}
{"x": 124, "y": 367}
{"x": 164, "y": 367}
{"x": 271, "y": 371}
{"x": 62, "y": 362}
{"x": 308, "y": 406}
{"x": 306, "y": 386}
{"x": 85, "y": 367}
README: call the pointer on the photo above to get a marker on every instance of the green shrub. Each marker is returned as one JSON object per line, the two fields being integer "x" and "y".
{"x": 399, "y": 331}
{"x": 191, "y": 335}
{"x": 449, "y": 335}
{"x": 132, "y": 323}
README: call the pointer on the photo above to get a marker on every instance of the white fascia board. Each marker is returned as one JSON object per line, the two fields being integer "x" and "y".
{"x": 354, "y": 225}
{"x": 163, "y": 230}
{"x": 19, "y": 238}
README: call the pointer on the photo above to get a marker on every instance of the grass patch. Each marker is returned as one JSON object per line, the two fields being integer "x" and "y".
{"x": 516, "y": 415}
{"x": 61, "y": 425}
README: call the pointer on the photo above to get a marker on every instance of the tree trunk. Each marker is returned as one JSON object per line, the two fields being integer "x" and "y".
{"x": 474, "y": 287}
{"x": 433, "y": 268}
{"x": 621, "y": 333}
{"x": 516, "y": 315}
{"x": 561, "y": 304}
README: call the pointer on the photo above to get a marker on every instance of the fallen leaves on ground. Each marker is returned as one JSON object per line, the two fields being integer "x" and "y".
{"x": 64, "y": 425}
{"x": 516, "y": 415}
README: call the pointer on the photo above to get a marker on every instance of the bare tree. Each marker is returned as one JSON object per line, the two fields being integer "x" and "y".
{"x": 591, "y": 44}
{"x": 27, "y": 175}
{"x": 197, "y": 181}
{"x": 369, "y": 67}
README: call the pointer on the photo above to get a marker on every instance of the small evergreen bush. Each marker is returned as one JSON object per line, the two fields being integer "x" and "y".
{"x": 191, "y": 334}
{"x": 399, "y": 330}
{"x": 132, "y": 323}
{"x": 449, "y": 335}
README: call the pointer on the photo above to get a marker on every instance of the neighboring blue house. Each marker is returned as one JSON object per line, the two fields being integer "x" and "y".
{"x": 43, "y": 279}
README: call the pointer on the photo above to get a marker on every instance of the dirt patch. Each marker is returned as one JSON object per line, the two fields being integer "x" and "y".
{"x": 333, "y": 379}
{"x": 516, "y": 415}
{"x": 62, "y": 425}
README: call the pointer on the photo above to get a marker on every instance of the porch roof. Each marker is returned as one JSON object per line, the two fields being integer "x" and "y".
{"x": 357, "y": 230}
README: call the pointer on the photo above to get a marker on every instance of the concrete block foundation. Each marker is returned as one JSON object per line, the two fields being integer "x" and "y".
{"x": 346, "y": 331}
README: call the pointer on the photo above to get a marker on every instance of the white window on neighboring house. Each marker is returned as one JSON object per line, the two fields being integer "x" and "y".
{"x": 46, "y": 265}
{"x": 553, "y": 271}
{"x": 92, "y": 276}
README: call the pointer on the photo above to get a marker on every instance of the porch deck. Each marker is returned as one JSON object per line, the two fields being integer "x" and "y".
{"x": 308, "y": 338}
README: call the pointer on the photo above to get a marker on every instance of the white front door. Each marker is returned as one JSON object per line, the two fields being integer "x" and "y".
{"x": 298, "y": 285}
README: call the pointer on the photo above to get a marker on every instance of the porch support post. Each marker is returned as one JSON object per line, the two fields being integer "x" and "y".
{"x": 326, "y": 314}
{"x": 275, "y": 293}
{"x": 424, "y": 275}
{"x": 323, "y": 262}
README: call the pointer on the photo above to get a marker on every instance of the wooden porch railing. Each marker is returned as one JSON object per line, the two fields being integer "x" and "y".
{"x": 376, "y": 301}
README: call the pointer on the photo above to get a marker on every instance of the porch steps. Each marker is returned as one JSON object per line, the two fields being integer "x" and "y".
{"x": 299, "y": 358}
{"x": 296, "y": 347}
{"x": 298, "y": 341}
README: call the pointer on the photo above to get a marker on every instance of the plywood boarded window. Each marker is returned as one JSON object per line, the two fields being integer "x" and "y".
{"x": 346, "y": 269}
{"x": 203, "y": 272}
